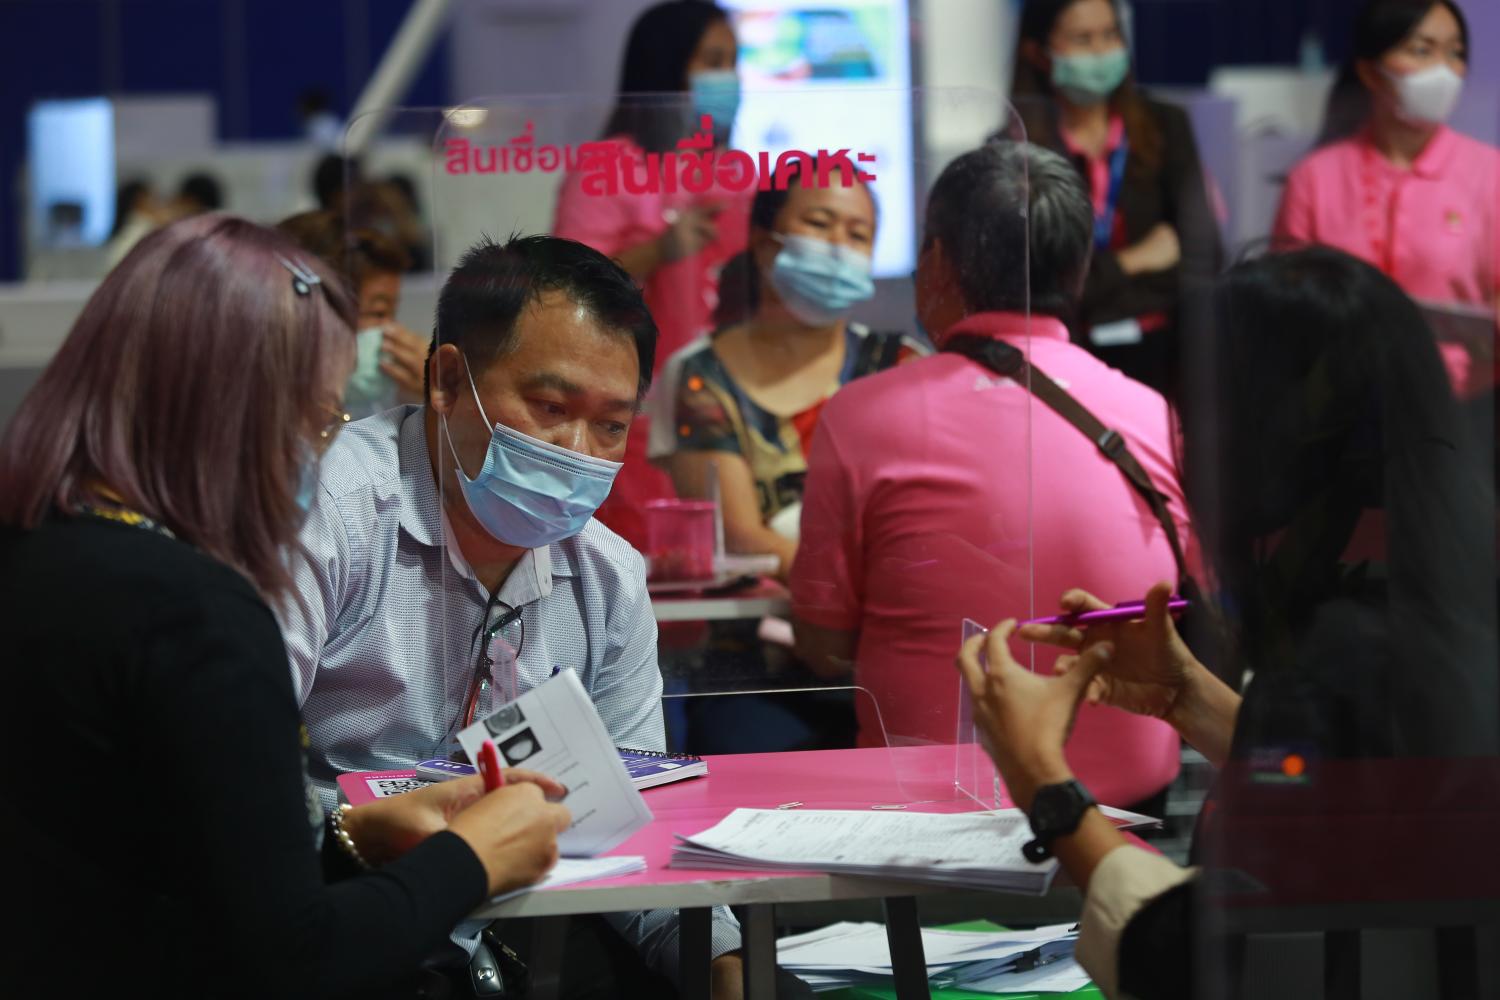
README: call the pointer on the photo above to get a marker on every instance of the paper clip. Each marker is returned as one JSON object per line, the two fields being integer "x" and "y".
{"x": 1034, "y": 959}
{"x": 892, "y": 806}
{"x": 789, "y": 805}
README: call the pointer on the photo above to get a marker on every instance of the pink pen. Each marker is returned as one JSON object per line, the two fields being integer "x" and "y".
{"x": 1119, "y": 613}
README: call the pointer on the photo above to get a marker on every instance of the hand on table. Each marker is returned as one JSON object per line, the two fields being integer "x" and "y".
{"x": 513, "y": 831}
{"x": 1024, "y": 718}
{"x": 403, "y": 357}
{"x": 387, "y": 828}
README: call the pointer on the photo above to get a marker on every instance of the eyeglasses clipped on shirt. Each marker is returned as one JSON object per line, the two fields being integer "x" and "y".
{"x": 498, "y": 616}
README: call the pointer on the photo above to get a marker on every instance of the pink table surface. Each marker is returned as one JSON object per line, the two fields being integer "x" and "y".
{"x": 921, "y": 778}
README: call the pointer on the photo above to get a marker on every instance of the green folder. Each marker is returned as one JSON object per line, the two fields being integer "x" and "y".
{"x": 889, "y": 993}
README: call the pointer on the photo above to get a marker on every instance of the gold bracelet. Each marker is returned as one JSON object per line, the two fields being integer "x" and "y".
{"x": 336, "y": 824}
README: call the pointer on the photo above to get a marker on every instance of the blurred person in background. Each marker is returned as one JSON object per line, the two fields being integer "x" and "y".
{"x": 1154, "y": 228}
{"x": 320, "y": 124}
{"x": 746, "y": 400}
{"x": 674, "y": 244}
{"x": 390, "y": 208}
{"x": 198, "y": 193}
{"x": 1333, "y": 485}
{"x": 167, "y": 457}
{"x": 1393, "y": 185}
{"x": 743, "y": 404}
{"x": 138, "y": 211}
{"x": 391, "y": 359}
{"x": 332, "y": 176}
{"x": 942, "y": 490}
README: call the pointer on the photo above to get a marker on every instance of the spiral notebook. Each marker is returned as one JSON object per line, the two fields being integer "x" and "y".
{"x": 648, "y": 768}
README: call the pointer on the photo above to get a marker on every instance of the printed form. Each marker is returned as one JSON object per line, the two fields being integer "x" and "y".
{"x": 555, "y": 729}
{"x": 876, "y": 839}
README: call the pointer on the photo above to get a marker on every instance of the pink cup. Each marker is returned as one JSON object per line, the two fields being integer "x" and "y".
{"x": 680, "y": 539}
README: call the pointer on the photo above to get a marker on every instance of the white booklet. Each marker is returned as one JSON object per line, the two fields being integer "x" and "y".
{"x": 555, "y": 729}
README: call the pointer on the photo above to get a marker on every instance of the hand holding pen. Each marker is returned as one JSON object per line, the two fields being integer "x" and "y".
{"x": 489, "y": 767}
{"x": 1123, "y": 612}
{"x": 1151, "y": 665}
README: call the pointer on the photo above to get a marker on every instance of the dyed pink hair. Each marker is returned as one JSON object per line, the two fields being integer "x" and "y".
{"x": 189, "y": 386}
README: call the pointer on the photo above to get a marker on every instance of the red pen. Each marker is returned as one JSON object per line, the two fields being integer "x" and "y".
{"x": 489, "y": 766}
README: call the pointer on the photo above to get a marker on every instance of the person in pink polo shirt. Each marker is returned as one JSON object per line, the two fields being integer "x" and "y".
{"x": 1393, "y": 185}
{"x": 939, "y": 491}
{"x": 671, "y": 240}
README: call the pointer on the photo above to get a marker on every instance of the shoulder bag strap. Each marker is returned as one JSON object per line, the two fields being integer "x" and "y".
{"x": 1005, "y": 360}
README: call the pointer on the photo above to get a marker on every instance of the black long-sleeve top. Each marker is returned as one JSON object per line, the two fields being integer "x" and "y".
{"x": 157, "y": 818}
{"x": 1176, "y": 193}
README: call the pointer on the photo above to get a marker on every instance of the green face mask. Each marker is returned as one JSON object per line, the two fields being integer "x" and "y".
{"x": 1089, "y": 77}
{"x": 369, "y": 390}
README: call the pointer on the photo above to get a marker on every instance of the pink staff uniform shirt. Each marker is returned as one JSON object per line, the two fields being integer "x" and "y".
{"x": 1432, "y": 228}
{"x": 681, "y": 295}
{"x": 938, "y": 491}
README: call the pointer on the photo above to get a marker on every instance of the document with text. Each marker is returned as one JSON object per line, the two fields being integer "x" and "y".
{"x": 982, "y": 850}
{"x": 555, "y": 729}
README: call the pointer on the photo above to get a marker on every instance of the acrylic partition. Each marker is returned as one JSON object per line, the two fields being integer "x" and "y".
{"x": 1337, "y": 448}
{"x": 754, "y": 261}
{"x": 1301, "y": 419}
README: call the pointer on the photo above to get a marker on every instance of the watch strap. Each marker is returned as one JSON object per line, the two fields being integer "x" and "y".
{"x": 1045, "y": 828}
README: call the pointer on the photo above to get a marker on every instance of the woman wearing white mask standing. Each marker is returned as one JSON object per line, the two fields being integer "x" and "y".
{"x": 747, "y": 398}
{"x": 673, "y": 241}
{"x": 1153, "y": 225}
{"x": 1392, "y": 184}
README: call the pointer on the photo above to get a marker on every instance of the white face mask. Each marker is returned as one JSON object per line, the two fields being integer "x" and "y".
{"x": 1427, "y": 97}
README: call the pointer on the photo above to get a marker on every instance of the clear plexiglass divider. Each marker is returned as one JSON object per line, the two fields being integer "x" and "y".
{"x": 735, "y": 238}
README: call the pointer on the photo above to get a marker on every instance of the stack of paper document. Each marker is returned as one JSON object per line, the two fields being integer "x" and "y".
{"x": 972, "y": 850}
{"x": 998, "y": 961}
{"x": 570, "y": 871}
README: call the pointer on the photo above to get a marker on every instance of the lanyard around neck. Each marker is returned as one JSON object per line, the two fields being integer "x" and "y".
{"x": 1104, "y": 222}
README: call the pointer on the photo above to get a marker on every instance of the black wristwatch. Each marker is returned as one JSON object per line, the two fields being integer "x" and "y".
{"x": 1055, "y": 812}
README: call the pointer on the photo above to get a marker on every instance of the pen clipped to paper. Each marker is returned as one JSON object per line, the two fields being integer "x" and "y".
{"x": 1119, "y": 613}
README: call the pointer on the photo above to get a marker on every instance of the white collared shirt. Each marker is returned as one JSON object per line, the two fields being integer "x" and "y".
{"x": 380, "y": 675}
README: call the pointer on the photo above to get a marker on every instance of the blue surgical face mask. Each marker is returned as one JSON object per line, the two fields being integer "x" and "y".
{"x": 716, "y": 93}
{"x": 819, "y": 282}
{"x": 369, "y": 389}
{"x": 530, "y": 493}
{"x": 1089, "y": 78}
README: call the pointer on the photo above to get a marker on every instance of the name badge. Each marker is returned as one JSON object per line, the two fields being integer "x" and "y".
{"x": 1120, "y": 333}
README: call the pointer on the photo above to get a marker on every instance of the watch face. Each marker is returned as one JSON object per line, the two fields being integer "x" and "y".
{"x": 1051, "y": 807}
{"x": 1058, "y": 808}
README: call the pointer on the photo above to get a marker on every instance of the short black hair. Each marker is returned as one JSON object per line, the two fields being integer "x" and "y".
{"x": 483, "y": 297}
{"x": 980, "y": 208}
{"x": 203, "y": 189}
{"x": 331, "y": 176}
